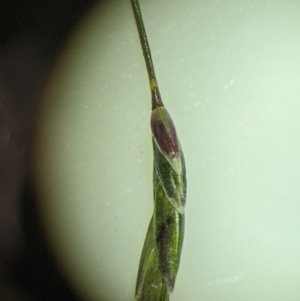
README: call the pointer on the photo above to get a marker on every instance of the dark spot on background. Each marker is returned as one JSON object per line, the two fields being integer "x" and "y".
{"x": 32, "y": 32}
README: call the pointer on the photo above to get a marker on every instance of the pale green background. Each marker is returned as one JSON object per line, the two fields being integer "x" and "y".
{"x": 229, "y": 74}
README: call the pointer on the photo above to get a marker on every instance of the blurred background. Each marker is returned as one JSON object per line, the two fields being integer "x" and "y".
{"x": 32, "y": 34}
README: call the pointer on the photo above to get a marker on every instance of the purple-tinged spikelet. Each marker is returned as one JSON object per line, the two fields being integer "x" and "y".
{"x": 168, "y": 157}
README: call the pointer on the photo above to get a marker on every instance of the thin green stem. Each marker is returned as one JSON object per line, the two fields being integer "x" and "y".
{"x": 155, "y": 95}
